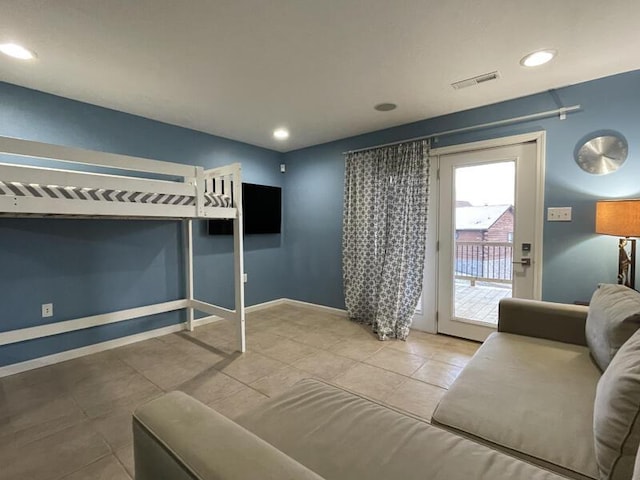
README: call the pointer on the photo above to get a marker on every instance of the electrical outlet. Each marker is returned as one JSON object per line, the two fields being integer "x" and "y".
{"x": 47, "y": 310}
{"x": 244, "y": 277}
{"x": 559, "y": 214}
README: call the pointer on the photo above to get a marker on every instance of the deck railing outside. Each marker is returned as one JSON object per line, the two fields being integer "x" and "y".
{"x": 484, "y": 261}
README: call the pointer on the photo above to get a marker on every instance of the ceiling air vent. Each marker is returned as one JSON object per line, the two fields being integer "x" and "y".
{"x": 469, "y": 82}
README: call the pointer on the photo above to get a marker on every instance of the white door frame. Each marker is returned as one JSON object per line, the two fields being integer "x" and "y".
{"x": 429, "y": 320}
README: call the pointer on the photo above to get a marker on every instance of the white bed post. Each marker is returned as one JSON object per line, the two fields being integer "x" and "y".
{"x": 238, "y": 264}
{"x": 199, "y": 182}
{"x": 188, "y": 261}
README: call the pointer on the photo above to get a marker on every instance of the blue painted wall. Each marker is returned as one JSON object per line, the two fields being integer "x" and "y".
{"x": 87, "y": 267}
{"x": 575, "y": 259}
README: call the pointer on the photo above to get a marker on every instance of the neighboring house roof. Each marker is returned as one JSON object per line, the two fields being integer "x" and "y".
{"x": 479, "y": 218}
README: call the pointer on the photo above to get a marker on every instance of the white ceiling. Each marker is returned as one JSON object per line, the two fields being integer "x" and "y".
{"x": 240, "y": 68}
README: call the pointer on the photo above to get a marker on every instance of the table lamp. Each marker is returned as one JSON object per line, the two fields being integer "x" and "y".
{"x": 621, "y": 218}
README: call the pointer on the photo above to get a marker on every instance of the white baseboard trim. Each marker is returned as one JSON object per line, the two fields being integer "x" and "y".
{"x": 139, "y": 337}
{"x": 315, "y": 306}
{"x": 263, "y": 305}
{"x": 88, "y": 350}
{"x": 199, "y": 322}
{"x": 297, "y": 303}
{"x": 100, "y": 347}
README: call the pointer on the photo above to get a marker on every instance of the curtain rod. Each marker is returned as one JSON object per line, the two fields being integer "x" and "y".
{"x": 533, "y": 116}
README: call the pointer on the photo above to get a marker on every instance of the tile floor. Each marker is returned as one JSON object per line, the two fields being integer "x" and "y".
{"x": 72, "y": 420}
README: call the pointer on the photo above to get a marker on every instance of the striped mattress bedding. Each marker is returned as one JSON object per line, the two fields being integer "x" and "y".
{"x": 108, "y": 195}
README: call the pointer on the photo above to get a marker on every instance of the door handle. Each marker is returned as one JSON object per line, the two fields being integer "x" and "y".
{"x": 525, "y": 262}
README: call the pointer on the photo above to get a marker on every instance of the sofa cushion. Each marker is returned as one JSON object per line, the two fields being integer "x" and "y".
{"x": 176, "y": 437}
{"x": 614, "y": 315}
{"x": 617, "y": 408}
{"x": 340, "y": 435}
{"x": 636, "y": 469}
{"x": 531, "y": 397}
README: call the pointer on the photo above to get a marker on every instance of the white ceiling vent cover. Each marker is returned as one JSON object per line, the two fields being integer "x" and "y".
{"x": 469, "y": 82}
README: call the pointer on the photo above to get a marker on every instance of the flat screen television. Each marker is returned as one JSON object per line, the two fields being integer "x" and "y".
{"x": 261, "y": 209}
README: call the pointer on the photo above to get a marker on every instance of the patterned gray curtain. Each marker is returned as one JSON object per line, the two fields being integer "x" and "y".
{"x": 384, "y": 235}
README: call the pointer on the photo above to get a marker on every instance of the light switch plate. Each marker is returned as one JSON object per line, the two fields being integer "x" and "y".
{"x": 559, "y": 214}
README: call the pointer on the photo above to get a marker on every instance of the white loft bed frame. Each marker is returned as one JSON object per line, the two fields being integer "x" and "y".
{"x": 194, "y": 182}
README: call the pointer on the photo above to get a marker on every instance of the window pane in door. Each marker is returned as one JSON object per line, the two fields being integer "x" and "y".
{"x": 483, "y": 240}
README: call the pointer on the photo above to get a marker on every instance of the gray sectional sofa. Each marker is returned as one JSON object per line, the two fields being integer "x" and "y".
{"x": 530, "y": 389}
{"x": 313, "y": 431}
{"x": 531, "y": 404}
{"x": 536, "y": 388}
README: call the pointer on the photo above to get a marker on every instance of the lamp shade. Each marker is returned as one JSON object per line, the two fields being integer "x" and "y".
{"x": 618, "y": 217}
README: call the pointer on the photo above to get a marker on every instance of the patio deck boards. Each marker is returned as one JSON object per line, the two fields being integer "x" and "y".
{"x": 479, "y": 302}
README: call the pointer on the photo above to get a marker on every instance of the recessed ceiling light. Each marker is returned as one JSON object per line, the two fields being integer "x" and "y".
{"x": 385, "y": 107}
{"x": 538, "y": 58}
{"x": 281, "y": 133}
{"x": 17, "y": 51}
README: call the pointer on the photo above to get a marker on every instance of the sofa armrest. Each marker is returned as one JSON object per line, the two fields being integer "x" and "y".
{"x": 177, "y": 437}
{"x": 554, "y": 321}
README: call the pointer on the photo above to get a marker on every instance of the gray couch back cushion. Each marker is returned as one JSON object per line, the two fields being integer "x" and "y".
{"x": 614, "y": 315}
{"x": 616, "y": 410}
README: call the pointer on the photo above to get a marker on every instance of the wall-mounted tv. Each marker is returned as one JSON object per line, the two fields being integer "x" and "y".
{"x": 261, "y": 209}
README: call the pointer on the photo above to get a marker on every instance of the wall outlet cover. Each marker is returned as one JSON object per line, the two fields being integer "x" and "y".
{"x": 47, "y": 310}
